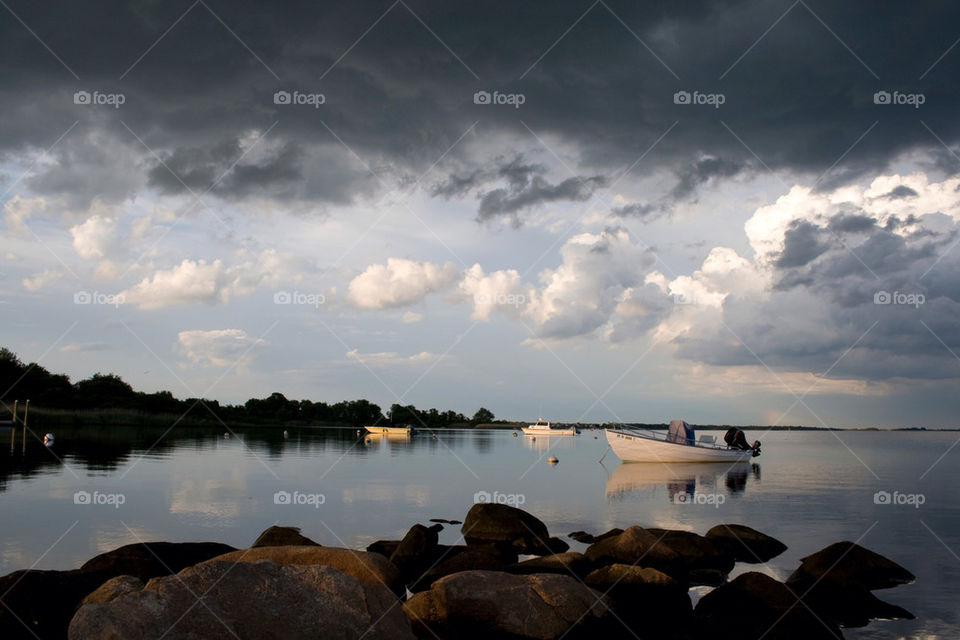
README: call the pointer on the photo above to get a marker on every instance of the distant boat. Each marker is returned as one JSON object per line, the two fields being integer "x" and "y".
{"x": 678, "y": 444}
{"x": 541, "y": 428}
{"x": 390, "y": 430}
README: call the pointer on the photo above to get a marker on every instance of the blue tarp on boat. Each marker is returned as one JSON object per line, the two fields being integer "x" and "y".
{"x": 681, "y": 432}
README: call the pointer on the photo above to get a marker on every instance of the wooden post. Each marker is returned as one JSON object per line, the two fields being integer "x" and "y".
{"x": 26, "y": 410}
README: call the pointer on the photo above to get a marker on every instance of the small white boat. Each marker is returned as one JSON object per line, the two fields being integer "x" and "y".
{"x": 678, "y": 444}
{"x": 390, "y": 430}
{"x": 541, "y": 428}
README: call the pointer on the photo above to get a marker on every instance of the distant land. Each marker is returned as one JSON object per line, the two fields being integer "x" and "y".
{"x": 107, "y": 400}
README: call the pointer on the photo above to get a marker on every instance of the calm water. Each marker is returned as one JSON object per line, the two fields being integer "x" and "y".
{"x": 809, "y": 489}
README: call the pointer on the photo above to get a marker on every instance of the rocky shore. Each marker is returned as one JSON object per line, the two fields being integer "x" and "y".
{"x": 511, "y": 579}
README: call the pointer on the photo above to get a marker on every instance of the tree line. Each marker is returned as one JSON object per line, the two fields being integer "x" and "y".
{"x": 106, "y": 391}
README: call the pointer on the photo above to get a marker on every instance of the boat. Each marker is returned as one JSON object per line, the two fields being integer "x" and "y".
{"x": 678, "y": 444}
{"x": 541, "y": 428}
{"x": 390, "y": 430}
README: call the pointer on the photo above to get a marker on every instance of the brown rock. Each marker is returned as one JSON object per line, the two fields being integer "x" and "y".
{"x": 849, "y": 563}
{"x": 746, "y": 544}
{"x": 639, "y": 547}
{"x": 283, "y": 537}
{"x": 247, "y": 600}
{"x": 488, "y": 522}
{"x": 113, "y": 588}
{"x": 490, "y": 604}
{"x": 567, "y": 563}
{"x": 366, "y": 568}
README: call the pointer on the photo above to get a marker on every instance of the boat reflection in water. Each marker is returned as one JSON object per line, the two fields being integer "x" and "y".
{"x": 680, "y": 478}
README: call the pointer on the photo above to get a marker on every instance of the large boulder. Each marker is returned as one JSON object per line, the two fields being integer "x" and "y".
{"x": 491, "y": 604}
{"x": 455, "y": 560}
{"x": 365, "y": 568}
{"x": 416, "y": 552}
{"x": 247, "y": 600}
{"x": 383, "y": 547}
{"x": 639, "y": 547}
{"x": 848, "y": 605}
{"x": 113, "y": 588}
{"x": 501, "y": 524}
{"x": 567, "y": 563}
{"x": 744, "y": 543}
{"x": 147, "y": 560}
{"x": 39, "y": 604}
{"x": 283, "y": 537}
{"x": 754, "y": 606}
{"x": 697, "y": 551}
{"x": 649, "y": 602}
{"x": 847, "y": 563}
{"x": 835, "y": 583}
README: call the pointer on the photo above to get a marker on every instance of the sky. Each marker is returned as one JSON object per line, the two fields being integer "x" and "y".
{"x": 728, "y": 212}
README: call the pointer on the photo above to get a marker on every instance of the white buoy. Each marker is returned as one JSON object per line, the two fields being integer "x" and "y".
{"x": 48, "y": 436}
{"x": 553, "y": 460}
{"x": 48, "y": 440}
{"x": 286, "y": 434}
{"x": 226, "y": 436}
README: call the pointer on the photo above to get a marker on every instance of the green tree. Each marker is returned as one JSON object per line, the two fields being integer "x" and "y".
{"x": 482, "y": 416}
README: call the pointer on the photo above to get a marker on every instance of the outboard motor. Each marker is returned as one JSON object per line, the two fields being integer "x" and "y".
{"x": 735, "y": 439}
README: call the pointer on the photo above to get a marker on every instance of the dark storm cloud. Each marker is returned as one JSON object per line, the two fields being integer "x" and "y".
{"x": 802, "y": 243}
{"x": 902, "y": 191}
{"x": 401, "y": 96}
{"x": 643, "y": 211}
{"x": 536, "y": 191}
{"x": 836, "y": 293}
{"x": 702, "y": 171}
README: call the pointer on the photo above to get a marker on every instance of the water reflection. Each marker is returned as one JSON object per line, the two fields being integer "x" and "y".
{"x": 680, "y": 478}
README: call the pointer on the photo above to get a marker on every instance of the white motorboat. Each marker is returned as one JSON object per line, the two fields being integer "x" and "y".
{"x": 390, "y": 430}
{"x": 678, "y": 444}
{"x": 541, "y": 428}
